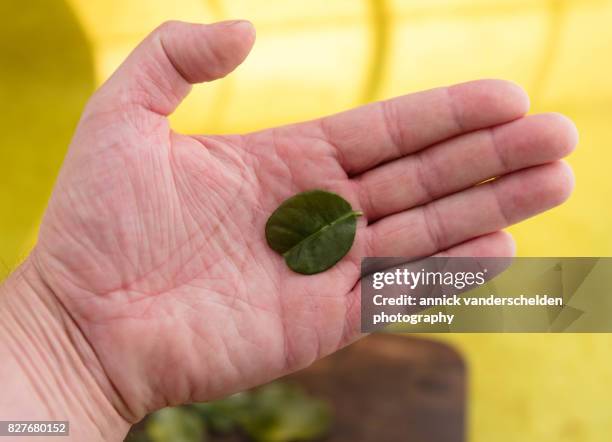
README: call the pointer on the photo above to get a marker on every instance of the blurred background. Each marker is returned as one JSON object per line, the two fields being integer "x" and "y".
{"x": 318, "y": 57}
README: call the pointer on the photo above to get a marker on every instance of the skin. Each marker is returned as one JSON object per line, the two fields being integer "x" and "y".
{"x": 151, "y": 283}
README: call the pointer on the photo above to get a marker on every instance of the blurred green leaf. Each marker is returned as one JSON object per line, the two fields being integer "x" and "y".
{"x": 283, "y": 413}
{"x": 136, "y": 436}
{"x": 277, "y": 412}
{"x": 224, "y": 416}
{"x": 175, "y": 425}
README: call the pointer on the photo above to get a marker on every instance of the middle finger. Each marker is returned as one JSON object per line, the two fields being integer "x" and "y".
{"x": 464, "y": 161}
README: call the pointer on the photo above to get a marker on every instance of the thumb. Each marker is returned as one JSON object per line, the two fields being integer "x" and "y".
{"x": 159, "y": 73}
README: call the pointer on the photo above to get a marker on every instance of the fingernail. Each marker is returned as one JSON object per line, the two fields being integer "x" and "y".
{"x": 232, "y": 23}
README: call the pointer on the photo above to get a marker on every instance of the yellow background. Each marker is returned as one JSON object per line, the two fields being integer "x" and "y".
{"x": 320, "y": 56}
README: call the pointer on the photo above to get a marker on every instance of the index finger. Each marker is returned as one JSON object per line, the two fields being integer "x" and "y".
{"x": 379, "y": 132}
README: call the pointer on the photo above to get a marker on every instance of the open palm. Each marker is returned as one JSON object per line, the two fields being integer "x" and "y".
{"x": 154, "y": 241}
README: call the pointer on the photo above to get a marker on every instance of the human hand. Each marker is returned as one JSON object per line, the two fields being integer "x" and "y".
{"x": 152, "y": 248}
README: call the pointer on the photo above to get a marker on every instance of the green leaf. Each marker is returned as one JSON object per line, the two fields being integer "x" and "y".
{"x": 223, "y": 416}
{"x": 283, "y": 413}
{"x": 175, "y": 425}
{"x": 312, "y": 230}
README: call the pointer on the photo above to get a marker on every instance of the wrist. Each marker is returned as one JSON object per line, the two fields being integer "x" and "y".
{"x": 46, "y": 363}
